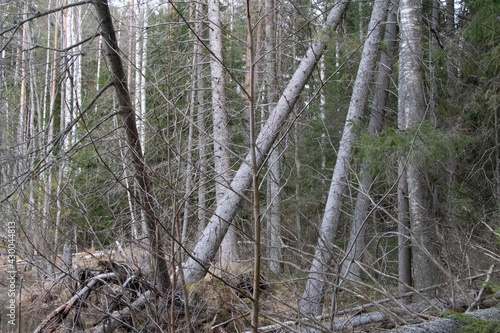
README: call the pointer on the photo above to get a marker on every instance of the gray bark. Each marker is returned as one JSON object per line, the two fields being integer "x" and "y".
{"x": 310, "y": 303}
{"x": 200, "y": 100}
{"x": 411, "y": 105}
{"x": 204, "y": 251}
{"x": 445, "y": 325}
{"x": 274, "y": 175}
{"x": 356, "y": 242}
{"x": 228, "y": 247}
{"x": 404, "y": 252}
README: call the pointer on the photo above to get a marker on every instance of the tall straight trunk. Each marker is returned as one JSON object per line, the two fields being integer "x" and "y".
{"x": 192, "y": 110}
{"x": 411, "y": 105}
{"x": 450, "y": 17}
{"x": 48, "y": 94}
{"x": 22, "y": 125}
{"x": 274, "y": 199}
{"x": 322, "y": 116}
{"x": 65, "y": 92}
{"x": 255, "y": 179}
{"x": 126, "y": 111}
{"x": 131, "y": 43}
{"x": 140, "y": 86}
{"x": 228, "y": 248}
{"x": 310, "y": 303}
{"x": 200, "y": 99}
{"x": 298, "y": 166}
{"x": 433, "y": 46}
{"x": 356, "y": 242}
{"x": 204, "y": 251}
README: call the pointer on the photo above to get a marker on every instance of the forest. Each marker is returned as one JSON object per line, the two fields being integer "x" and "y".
{"x": 250, "y": 166}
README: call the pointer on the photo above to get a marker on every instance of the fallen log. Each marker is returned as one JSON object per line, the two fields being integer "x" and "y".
{"x": 56, "y": 317}
{"x": 374, "y": 317}
{"x": 453, "y": 323}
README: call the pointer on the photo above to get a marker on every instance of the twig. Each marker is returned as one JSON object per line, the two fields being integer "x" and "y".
{"x": 481, "y": 291}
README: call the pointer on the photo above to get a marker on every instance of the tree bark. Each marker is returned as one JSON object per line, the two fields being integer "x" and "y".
{"x": 310, "y": 303}
{"x": 274, "y": 175}
{"x": 228, "y": 247}
{"x": 412, "y": 107}
{"x": 449, "y": 325}
{"x": 200, "y": 98}
{"x": 196, "y": 267}
{"x": 126, "y": 111}
{"x": 356, "y": 242}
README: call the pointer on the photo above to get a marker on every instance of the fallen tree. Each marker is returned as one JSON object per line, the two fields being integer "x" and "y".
{"x": 401, "y": 314}
{"x": 485, "y": 320}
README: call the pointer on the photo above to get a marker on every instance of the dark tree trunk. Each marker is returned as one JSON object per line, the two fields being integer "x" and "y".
{"x": 126, "y": 111}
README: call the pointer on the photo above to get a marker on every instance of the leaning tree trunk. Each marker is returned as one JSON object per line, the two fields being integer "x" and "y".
{"x": 356, "y": 244}
{"x": 129, "y": 122}
{"x": 411, "y": 106}
{"x": 310, "y": 303}
{"x": 204, "y": 251}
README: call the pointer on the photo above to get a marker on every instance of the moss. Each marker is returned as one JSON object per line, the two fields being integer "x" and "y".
{"x": 473, "y": 325}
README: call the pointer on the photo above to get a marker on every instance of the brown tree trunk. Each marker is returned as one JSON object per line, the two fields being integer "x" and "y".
{"x": 126, "y": 111}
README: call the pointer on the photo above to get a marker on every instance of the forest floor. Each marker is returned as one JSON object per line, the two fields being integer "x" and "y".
{"x": 214, "y": 305}
{"x": 37, "y": 299}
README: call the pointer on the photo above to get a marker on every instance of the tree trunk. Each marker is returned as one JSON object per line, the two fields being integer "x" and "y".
{"x": 356, "y": 244}
{"x": 126, "y": 110}
{"x": 204, "y": 251}
{"x": 202, "y": 155}
{"x": 412, "y": 107}
{"x": 310, "y": 303}
{"x": 449, "y": 325}
{"x": 228, "y": 247}
{"x": 190, "y": 144}
{"x": 404, "y": 249}
{"x": 274, "y": 174}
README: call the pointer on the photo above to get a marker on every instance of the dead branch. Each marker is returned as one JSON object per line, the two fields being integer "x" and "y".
{"x": 50, "y": 323}
{"x": 118, "y": 318}
{"x": 379, "y": 316}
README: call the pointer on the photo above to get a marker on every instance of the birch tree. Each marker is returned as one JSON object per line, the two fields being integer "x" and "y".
{"x": 310, "y": 303}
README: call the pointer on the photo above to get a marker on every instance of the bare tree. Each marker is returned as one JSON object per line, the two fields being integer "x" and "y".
{"x": 274, "y": 174}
